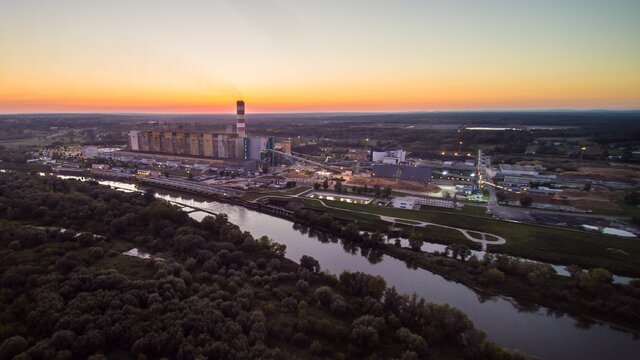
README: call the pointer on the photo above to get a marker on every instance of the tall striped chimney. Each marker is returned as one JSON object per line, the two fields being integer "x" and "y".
{"x": 240, "y": 118}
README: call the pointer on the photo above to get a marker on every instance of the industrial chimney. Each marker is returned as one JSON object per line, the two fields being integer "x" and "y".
{"x": 240, "y": 118}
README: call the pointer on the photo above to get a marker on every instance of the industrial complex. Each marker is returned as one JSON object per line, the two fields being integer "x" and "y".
{"x": 203, "y": 144}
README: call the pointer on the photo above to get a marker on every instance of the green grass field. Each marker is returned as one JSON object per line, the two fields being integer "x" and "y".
{"x": 466, "y": 210}
{"x": 552, "y": 244}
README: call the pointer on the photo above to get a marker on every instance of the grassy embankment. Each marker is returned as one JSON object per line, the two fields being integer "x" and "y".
{"x": 545, "y": 243}
{"x": 253, "y": 195}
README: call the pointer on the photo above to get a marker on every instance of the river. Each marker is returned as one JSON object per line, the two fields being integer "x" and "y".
{"x": 540, "y": 332}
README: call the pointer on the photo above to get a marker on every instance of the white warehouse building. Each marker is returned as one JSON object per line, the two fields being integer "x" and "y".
{"x": 409, "y": 202}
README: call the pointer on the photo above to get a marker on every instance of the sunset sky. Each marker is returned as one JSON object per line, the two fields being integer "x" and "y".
{"x": 200, "y": 56}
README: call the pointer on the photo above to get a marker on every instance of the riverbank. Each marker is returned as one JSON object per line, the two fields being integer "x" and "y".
{"x": 553, "y": 293}
{"x": 548, "y": 334}
{"x": 531, "y": 284}
{"x": 549, "y": 244}
{"x": 550, "y": 294}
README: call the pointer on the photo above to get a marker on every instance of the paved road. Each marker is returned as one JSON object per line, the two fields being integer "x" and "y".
{"x": 506, "y": 212}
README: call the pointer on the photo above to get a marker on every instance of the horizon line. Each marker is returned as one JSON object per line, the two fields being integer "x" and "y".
{"x": 326, "y": 112}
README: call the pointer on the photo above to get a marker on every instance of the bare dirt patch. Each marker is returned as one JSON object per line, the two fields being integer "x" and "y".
{"x": 605, "y": 172}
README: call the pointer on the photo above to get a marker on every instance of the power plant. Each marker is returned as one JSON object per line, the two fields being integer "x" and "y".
{"x": 240, "y": 119}
{"x": 203, "y": 144}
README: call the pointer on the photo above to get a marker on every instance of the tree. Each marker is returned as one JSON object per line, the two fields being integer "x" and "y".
{"x": 12, "y": 347}
{"x": 310, "y": 263}
{"x": 338, "y": 186}
{"x": 267, "y": 243}
{"x": 149, "y": 195}
{"x": 416, "y": 241}
{"x": 362, "y": 284}
{"x": 412, "y": 341}
{"x": 540, "y": 275}
{"x": 377, "y": 190}
{"x": 365, "y": 330}
{"x": 386, "y": 192}
{"x": 458, "y": 251}
{"x": 324, "y": 295}
{"x": 325, "y": 184}
{"x": 494, "y": 275}
{"x": 526, "y": 201}
{"x": 501, "y": 196}
{"x": 377, "y": 238}
{"x": 633, "y": 198}
{"x": 595, "y": 280}
{"x": 316, "y": 186}
{"x": 316, "y": 348}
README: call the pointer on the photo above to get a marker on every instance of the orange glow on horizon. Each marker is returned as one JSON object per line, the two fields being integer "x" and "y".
{"x": 87, "y": 97}
{"x": 305, "y": 56}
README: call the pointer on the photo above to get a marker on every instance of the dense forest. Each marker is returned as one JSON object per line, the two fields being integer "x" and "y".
{"x": 210, "y": 291}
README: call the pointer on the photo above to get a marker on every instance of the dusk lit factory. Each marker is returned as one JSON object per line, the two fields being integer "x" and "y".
{"x": 221, "y": 145}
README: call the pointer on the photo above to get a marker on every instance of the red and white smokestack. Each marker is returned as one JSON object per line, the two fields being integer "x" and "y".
{"x": 240, "y": 118}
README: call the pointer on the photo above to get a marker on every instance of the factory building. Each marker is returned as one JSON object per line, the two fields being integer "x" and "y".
{"x": 225, "y": 144}
{"x": 388, "y": 156}
{"x": 414, "y": 202}
{"x": 284, "y": 146}
{"x": 401, "y": 172}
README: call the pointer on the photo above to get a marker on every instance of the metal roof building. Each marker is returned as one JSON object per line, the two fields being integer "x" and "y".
{"x": 402, "y": 172}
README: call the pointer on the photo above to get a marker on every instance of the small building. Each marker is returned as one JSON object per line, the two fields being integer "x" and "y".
{"x": 406, "y": 202}
{"x": 388, "y": 156}
{"x": 519, "y": 182}
{"x": 410, "y": 202}
{"x": 89, "y": 151}
{"x": 100, "y": 166}
{"x": 519, "y": 170}
{"x": 435, "y": 201}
